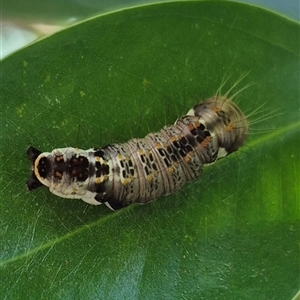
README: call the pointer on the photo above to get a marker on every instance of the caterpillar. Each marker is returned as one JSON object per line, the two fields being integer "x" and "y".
{"x": 143, "y": 169}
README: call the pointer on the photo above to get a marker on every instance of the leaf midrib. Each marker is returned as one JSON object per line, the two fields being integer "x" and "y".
{"x": 291, "y": 128}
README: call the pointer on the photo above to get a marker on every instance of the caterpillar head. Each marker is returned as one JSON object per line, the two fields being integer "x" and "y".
{"x": 65, "y": 171}
{"x": 40, "y": 169}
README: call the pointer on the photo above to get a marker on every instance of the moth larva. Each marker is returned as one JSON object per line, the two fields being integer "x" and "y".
{"x": 141, "y": 170}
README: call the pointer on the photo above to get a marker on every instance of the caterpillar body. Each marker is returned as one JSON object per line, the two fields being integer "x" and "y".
{"x": 141, "y": 170}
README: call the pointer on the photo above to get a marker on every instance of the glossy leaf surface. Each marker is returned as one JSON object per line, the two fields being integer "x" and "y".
{"x": 231, "y": 234}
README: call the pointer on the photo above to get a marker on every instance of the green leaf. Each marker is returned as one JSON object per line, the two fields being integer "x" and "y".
{"x": 231, "y": 234}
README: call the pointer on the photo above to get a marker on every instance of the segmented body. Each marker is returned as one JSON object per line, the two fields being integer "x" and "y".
{"x": 141, "y": 170}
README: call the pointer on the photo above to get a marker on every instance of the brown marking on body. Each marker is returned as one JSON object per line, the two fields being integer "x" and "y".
{"x": 215, "y": 109}
{"x": 187, "y": 159}
{"x": 171, "y": 170}
{"x": 192, "y": 153}
{"x": 98, "y": 180}
{"x": 191, "y": 127}
{"x": 58, "y": 175}
{"x": 149, "y": 178}
{"x": 204, "y": 143}
{"x": 175, "y": 164}
{"x": 229, "y": 127}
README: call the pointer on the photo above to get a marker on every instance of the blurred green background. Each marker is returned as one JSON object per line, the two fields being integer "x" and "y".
{"x": 25, "y": 21}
